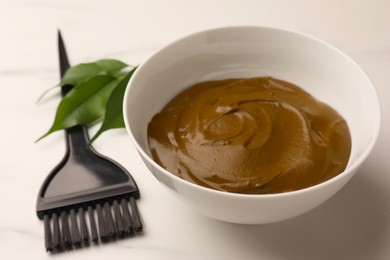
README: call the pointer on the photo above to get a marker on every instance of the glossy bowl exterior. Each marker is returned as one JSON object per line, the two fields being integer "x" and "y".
{"x": 231, "y": 52}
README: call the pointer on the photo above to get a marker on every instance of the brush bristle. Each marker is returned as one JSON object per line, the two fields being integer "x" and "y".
{"x": 83, "y": 227}
{"x": 114, "y": 220}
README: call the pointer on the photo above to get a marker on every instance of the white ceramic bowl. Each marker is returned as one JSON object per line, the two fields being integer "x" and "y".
{"x": 230, "y": 52}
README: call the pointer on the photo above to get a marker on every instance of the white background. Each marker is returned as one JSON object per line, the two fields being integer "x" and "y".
{"x": 354, "y": 224}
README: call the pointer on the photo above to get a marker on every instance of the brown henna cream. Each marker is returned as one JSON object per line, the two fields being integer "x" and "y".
{"x": 255, "y": 136}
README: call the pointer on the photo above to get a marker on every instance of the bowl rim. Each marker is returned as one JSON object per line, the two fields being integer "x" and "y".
{"x": 351, "y": 168}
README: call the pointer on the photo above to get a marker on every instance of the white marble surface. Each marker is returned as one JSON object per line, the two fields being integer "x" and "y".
{"x": 354, "y": 224}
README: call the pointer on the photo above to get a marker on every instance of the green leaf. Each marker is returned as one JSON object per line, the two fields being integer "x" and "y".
{"x": 84, "y": 71}
{"x": 114, "y": 111}
{"x": 84, "y": 104}
{"x": 80, "y": 72}
{"x": 45, "y": 93}
{"x": 111, "y": 66}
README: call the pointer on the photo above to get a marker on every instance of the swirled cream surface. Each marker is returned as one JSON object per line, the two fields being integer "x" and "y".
{"x": 255, "y": 136}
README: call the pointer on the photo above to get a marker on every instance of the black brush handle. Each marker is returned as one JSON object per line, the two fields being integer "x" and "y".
{"x": 77, "y": 136}
{"x": 77, "y": 140}
{"x": 64, "y": 63}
